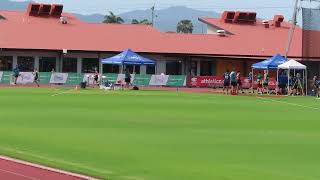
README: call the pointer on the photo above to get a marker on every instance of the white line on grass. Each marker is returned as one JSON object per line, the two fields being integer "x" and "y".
{"x": 288, "y": 103}
{"x": 64, "y": 92}
{"x": 17, "y": 174}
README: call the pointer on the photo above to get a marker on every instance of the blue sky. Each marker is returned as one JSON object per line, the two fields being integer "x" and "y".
{"x": 265, "y": 8}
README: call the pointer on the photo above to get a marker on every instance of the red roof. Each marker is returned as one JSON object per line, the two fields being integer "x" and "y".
{"x": 21, "y": 31}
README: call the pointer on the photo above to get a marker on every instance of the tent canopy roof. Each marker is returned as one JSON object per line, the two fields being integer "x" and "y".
{"x": 128, "y": 57}
{"x": 292, "y": 64}
{"x": 271, "y": 63}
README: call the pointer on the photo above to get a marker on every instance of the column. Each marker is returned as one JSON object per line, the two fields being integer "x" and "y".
{"x": 161, "y": 67}
{"x": 100, "y": 66}
{"x": 36, "y": 62}
{"x": 14, "y": 61}
{"x": 198, "y": 68}
{"x": 143, "y": 69}
{"x": 79, "y": 65}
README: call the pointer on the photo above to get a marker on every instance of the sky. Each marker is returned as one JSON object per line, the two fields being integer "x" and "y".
{"x": 265, "y": 8}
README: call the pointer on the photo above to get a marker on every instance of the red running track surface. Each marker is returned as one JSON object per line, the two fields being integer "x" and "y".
{"x": 11, "y": 169}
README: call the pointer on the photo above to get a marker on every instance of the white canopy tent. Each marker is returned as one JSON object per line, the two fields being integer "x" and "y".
{"x": 294, "y": 65}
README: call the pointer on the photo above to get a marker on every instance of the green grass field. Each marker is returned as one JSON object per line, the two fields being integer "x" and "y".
{"x": 157, "y": 135}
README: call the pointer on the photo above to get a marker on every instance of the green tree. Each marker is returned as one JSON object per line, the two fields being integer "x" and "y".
{"x": 112, "y": 19}
{"x": 185, "y": 26}
{"x": 145, "y": 21}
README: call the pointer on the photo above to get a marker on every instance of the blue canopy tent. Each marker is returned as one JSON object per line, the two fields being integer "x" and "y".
{"x": 128, "y": 57}
{"x": 269, "y": 64}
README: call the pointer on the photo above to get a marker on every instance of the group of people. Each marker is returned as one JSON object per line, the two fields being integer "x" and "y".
{"x": 292, "y": 86}
{"x": 234, "y": 79}
{"x": 16, "y": 74}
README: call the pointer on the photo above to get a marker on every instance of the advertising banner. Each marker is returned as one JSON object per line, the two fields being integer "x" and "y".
{"x": 1, "y": 74}
{"x": 205, "y": 81}
{"x": 159, "y": 80}
{"x": 25, "y": 78}
{"x": 142, "y": 80}
{"x": 58, "y": 78}
{"x": 176, "y": 80}
{"x": 122, "y": 76}
{"x": 89, "y": 78}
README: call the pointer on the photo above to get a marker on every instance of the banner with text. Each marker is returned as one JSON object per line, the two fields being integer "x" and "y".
{"x": 205, "y": 81}
{"x": 58, "y": 78}
{"x": 25, "y": 78}
{"x": 159, "y": 80}
{"x": 121, "y": 79}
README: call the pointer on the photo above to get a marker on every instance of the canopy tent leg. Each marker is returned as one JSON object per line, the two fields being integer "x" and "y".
{"x": 306, "y": 74}
{"x": 277, "y": 85}
{"x": 252, "y": 82}
{"x": 288, "y": 85}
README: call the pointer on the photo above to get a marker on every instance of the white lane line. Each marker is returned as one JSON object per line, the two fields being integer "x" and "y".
{"x": 64, "y": 92}
{"x": 46, "y": 168}
{"x": 17, "y": 174}
{"x": 288, "y": 103}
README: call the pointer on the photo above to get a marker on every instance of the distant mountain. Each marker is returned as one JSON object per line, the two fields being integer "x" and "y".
{"x": 166, "y": 20}
{"x": 13, "y": 5}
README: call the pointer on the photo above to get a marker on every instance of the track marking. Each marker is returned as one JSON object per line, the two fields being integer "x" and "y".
{"x": 17, "y": 174}
{"x": 288, "y": 103}
{"x": 64, "y": 92}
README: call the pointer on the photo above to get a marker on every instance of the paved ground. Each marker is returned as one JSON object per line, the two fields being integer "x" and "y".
{"x": 12, "y": 169}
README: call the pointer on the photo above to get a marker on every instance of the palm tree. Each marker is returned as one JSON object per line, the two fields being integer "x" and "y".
{"x": 145, "y": 22}
{"x": 185, "y": 26}
{"x": 113, "y": 19}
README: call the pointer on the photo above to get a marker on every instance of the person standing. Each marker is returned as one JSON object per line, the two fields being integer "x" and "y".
{"x": 239, "y": 83}
{"x": 265, "y": 82}
{"x": 96, "y": 78}
{"x": 226, "y": 81}
{"x": 16, "y": 74}
{"x": 259, "y": 81}
{"x": 233, "y": 82}
{"x": 36, "y": 78}
{"x": 127, "y": 78}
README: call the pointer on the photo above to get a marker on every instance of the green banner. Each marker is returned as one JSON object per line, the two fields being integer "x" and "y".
{"x": 45, "y": 77}
{"x": 111, "y": 77}
{"x": 6, "y": 77}
{"x": 141, "y": 80}
{"x": 176, "y": 80}
{"x": 74, "y": 79}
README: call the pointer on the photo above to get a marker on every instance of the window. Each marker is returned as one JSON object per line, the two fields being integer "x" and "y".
{"x": 150, "y": 69}
{"x": 110, "y": 68}
{"x": 26, "y": 63}
{"x": 135, "y": 68}
{"x": 90, "y": 65}
{"x": 69, "y": 65}
{"x": 173, "y": 68}
{"x": 47, "y": 64}
{"x": 6, "y": 63}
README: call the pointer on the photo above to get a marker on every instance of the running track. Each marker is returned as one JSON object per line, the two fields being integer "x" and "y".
{"x": 12, "y": 169}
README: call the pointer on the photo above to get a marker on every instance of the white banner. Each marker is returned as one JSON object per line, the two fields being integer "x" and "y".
{"x": 58, "y": 78}
{"x": 159, "y": 80}
{"x": 122, "y": 76}
{"x": 1, "y": 74}
{"x": 25, "y": 78}
{"x": 89, "y": 77}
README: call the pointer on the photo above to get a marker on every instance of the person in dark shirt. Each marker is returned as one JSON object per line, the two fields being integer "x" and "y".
{"x": 282, "y": 82}
{"x": 226, "y": 81}
{"x": 127, "y": 78}
{"x": 36, "y": 78}
{"x": 16, "y": 73}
